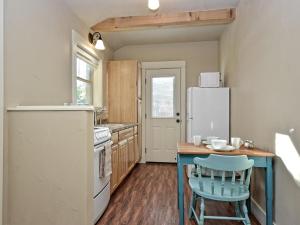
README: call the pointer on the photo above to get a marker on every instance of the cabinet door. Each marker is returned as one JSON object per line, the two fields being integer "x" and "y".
{"x": 114, "y": 91}
{"x": 137, "y": 155}
{"x": 131, "y": 158}
{"x": 123, "y": 159}
{"x": 128, "y": 100}
{"x": 115, "y": 165}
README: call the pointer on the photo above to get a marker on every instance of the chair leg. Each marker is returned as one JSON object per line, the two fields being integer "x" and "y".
{"x": 245, "y": 210}
{"x": 237, "y": 209}
{"x": 192, "y": 205}
{"x": 202, "y": 208}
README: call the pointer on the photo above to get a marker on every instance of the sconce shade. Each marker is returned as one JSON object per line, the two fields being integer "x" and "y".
{"x": 153, "y": 4}
{"x": 100, "y": 45}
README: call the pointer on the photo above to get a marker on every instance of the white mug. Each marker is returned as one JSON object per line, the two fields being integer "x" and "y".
{"x": 236, "y": 142}
{"x": 197, "y": 140}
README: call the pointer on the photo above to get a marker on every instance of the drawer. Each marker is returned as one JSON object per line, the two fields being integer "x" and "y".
{"x": 135, "y": 130}
{"x": 125, "y": 134}
{"x": 115, "y": 138}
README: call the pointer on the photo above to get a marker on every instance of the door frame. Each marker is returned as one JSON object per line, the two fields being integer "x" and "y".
{"x": 164, "y": 65}
{"x": 1, "y": 103}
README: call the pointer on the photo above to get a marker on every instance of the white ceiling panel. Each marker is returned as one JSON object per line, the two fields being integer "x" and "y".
{"x": 163, "y": 35}
{"x": 93, "y": 11}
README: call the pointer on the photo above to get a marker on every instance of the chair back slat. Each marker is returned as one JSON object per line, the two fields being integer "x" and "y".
{"x": 232, "y": 182}
{"x": 223, "y": 183}
{"x": 199, "y": 172}
{"x": 238, "y": 165}
{"x": 242, "y": 179}
{"x": 247, "y": 182}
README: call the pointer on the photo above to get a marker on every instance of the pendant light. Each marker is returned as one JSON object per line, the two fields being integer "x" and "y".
{"x": 153, "y": 4}
{"x": 96, "y": 40}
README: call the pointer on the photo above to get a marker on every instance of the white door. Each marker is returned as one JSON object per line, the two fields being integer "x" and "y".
{"x": 163, "y": 115}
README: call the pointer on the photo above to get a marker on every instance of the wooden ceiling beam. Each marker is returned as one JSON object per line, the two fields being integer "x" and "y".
{"x": 209, "y": 17}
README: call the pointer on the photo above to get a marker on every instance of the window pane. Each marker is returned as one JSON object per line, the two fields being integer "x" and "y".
{"x": 84, "y": 69}
{"x": 84, "y": 93}
{"x": 163, "y": 97}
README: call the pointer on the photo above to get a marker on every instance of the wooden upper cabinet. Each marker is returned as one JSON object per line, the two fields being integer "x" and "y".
{"x": 114, "y": 90}
{"x": 123, "y": 91}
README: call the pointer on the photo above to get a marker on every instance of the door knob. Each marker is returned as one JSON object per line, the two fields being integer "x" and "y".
{"x": 178, "y": 121}
{"x": 178, "y": 114}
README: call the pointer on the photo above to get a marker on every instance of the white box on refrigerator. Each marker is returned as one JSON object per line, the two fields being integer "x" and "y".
{"x": 212, "y": 80}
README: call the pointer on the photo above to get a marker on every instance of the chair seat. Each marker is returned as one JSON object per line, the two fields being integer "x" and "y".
{"x": 232, "y": 192}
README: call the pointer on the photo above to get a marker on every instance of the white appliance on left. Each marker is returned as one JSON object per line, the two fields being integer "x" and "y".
{"x": 102, "y": 137}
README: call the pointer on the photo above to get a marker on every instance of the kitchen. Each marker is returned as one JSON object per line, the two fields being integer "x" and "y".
{"x": 48, "y": 141}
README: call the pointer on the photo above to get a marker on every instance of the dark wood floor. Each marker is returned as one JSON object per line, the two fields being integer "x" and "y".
{"x": 149, "y": 197}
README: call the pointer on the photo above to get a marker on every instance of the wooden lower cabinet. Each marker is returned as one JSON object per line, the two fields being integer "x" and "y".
{"x": 114, "y": 181}
{"x": 125, "y": 154}
{"x": 123, "y": 160}
{"x": 131, "y": 159}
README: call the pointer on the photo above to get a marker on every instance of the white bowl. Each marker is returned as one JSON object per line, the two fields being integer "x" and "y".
{"x": 218, "y": 143}
{"x": 210, "y": 138}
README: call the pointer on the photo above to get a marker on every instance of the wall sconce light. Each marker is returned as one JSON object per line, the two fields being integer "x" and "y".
{"x": 153, "y": 5}
{"x": 96, "y": 40}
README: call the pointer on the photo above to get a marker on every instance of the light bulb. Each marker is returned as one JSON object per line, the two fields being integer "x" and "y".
{"x": 153, "y": 4}
{"x": 100, "y": 45}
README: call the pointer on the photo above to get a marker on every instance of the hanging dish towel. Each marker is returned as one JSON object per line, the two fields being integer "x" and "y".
{"x": 102, "y": 163}
{"x": 105, "y": 161}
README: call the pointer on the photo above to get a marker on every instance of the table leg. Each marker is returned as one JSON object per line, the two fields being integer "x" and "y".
{"x": 180, "y": 190}
{"x": 269, "y": 192}
{"x": 248, "y": 202}
{"x": 178, "y": 181}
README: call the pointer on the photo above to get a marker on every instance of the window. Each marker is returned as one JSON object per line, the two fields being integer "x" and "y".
{"x": 84, "y": 82}
{"x": 86, "y": 72}
{"x": 163, "y": 97}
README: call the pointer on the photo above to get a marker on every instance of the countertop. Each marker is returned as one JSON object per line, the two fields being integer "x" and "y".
{"x": 51, "y": 108}
{"x": 115, "y": 127}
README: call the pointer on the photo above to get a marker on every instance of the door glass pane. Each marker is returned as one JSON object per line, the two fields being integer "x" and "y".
{"x": 84, "y": 93}
{"x": 163, "y": 97}
{"x": 84, "y": 69}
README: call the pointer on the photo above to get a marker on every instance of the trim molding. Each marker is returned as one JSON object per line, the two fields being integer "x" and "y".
{"x": 259, "y": 212}
{"x": 1, "y": 103}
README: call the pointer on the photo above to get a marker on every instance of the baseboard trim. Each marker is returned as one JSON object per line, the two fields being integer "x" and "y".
{"x": 258, "y": 212}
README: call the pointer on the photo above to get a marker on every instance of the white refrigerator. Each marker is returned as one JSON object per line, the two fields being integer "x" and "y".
{"x": 208, "y": 112}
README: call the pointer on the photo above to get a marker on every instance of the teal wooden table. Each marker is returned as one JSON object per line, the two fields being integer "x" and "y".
{"x": 262, "y": 159}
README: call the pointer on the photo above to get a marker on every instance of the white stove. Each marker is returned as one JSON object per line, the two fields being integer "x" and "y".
{"x": 101, "y": 135}
{"x": 102, "y": 138}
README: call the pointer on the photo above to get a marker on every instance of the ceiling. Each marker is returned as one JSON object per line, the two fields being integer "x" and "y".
{"x": 94, "y": 11}
{"x": 117, "y": 40}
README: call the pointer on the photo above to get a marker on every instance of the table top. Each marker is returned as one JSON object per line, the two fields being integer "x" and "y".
{"x": 190, "y": 149}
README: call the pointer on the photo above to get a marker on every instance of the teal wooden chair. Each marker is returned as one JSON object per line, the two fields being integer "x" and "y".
{"x": 233, "y": 189}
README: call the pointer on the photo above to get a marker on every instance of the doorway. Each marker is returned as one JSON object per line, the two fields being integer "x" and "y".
{"x": 164, "y": 109}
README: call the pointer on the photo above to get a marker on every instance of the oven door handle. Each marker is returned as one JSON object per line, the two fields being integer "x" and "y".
{"x": 98, "y": 148}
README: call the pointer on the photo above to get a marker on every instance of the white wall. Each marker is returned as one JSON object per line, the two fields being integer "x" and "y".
{"x": 1, "y": 106}
{"x": 38, "y": 39}
{"x": 260, "y": 59}
{"x": 199, "y": 56}
{"x": 50, "y": 167}
{"x": 38, "y": 49}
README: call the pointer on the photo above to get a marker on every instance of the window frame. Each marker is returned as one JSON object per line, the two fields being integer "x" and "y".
{"x": 83, "y": 50}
